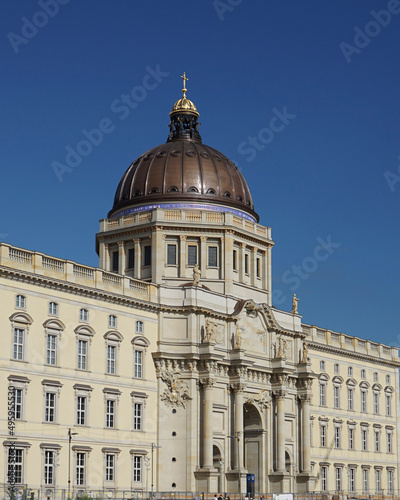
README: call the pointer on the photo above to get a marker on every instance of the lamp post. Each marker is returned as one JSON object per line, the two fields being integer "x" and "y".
{"x": 70, "y": 434}
{"x": 238, "y": 462}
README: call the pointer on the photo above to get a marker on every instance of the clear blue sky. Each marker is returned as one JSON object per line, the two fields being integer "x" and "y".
{"x": 320, "y": 177}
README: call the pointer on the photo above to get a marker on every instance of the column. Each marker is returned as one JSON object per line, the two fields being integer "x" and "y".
{"x": 203, "y": 257}
{"x": 269, "y": 276}
{"x": 106, "y": 257}
{"x": 253, "y": 267}
{"x": 305, "y": 415}
{"x": 238, "y": 454}
{"x": 228, "y": 261}
{"x": 280, "y": 430}
{"x": 208, "y": 423}
{"x": 138, "y": 259}
{"x": 157, "y": 255}
{"x": 121, "y": 257}
{"x": 182, "y": 256}
{"x": 101, "y": 255}
{"x": 241, "y": 262}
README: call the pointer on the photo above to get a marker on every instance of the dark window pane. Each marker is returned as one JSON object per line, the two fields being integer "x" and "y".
{"x": 235, "y": 259}
{"x": 147, "y": 256}
{"x": 115, "y": 259}
{"x": 131, "y": 258}
{"x": 192, "y": 255}
{"x": 258, "y": 268}
{"x": 171, "y": 255}
{"x": 246, "y": 264}
{"x": 212, "y": 256}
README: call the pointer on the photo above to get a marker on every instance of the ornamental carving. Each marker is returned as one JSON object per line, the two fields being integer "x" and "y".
{"x": 262, "y": 400}
{"x": 213, "y": 332}
{"x": 239, "y": 334}
{"x": 177, "y": 392}
{"x": 238, "y": 387}
{"x": 305, "y": 398}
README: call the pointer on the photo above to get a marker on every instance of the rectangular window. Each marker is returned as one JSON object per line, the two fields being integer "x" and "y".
{"x": 18, "y": 404}
{"x": 363, "y": 440}
{"x": 363, "y": 401}
{"x": 322, "y": 394}
{"x": 137, "y": 468}
{"x": 49, "y": 467}
{"x": 376, "y": 403}
{"x": 338, "y": 478}
{"x": 351, "y": 439}
{"x": 336, "y": 368}
{"x": 115, "y": 262}
{"x": 137, "y": 416}
{"x": 81, "y": 410}
{"x": 147, "y": 255}
{"x": 363, "y": 373}
{"x": 51, "y": 349}
{"x": 139, "y": 327}
{"x": 192, "y": 255}
{"x": 389, "y": 442}
{"x": 337, "y": 437}
{"x": 350, "y": 371}
{"x": 171, "y": 255}
{"x": 387, "y": 379}
{"x": 258, "y": 267}
{"x": 322, "y": 366}
{"x": 336, "y": 396}
{"x": 110, "y": 413}
{"x": 365, "y": 479}
{"x": 352, "y": 480}
{"x": 83, "y": 315}
{"x": 112, "y": 321}
{"x": 377, "y": 441}
{"x": 378, "y": 481}
{"x": 246, "y": 263}
{"x": 138, "y": 368}
{"x": 350, "y": 399}
{"x": 80, "y": 469}
{"x": 82, "y": 354}
{"x": 324, "y": 478}
{"x": 212, "y": 256}
{"x": 131, "y": 258}
{"x": 390, "y": 481}
{"x": 15, "y": 465}
{"x": 110, "y": 467}
{"x": 53, "y": 309}
{"x": 20, "y": 302}
{"x": 111, "y": 349}
{"x": 50, "y": 407}
{"x": 388, "y": 405}
{"x": 234, "y": 258}
{"x": 18, "y": 351}
{"x": 323, "y": 436}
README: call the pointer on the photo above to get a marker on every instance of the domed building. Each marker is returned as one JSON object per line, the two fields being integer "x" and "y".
{"x": 167, "y": 370}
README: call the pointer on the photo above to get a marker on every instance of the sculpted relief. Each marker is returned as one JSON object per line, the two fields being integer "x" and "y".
{"x": 177, "y": 392}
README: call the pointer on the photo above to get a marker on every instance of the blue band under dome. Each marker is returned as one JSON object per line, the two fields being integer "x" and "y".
{"x": 184, "y": 206}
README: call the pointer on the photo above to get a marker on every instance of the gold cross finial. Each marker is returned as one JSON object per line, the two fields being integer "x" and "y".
{"x": 184, "y": 90}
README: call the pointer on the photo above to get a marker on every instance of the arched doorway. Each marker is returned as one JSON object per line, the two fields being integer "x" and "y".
{"x": 218, "y": 464}
{"x": 253, "y": 443}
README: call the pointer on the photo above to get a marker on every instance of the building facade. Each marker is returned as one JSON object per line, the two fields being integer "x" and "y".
{"x": 167, "y": 368}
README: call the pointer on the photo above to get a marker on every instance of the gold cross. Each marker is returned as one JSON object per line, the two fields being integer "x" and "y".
{"x": 184, "y": 80}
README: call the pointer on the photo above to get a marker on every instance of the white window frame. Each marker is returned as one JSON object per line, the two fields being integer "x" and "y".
{"x": 51, "y": 349}
{"x": 80, "y": 468}
{"x": 49, "y": 466}
{"x": 138, "y": 363}
{"x": 137, "y": 416}
{"x": 19, "y": 464}
{"x": 389, "y": 441}
{"x": 322, "y": 366}
{"x": 350, "y": 398}
{"x": 338, "y": 478}
{"x": 365, "y": 480}
{"x": 336, "y": 368}
{"x": 337, "y": 437}
{"x": 111, "y": 368}
{"x": 50, "y": 410}
{"x": 376, "y": 402}
{"x": 20, "y": 384}
{"x": 112, "y": 321}
{"x": 83, "y": 315}
{"x": 336, "y": 396}
{"x": 363, "y": 401}
{"x": 83, "y": 333}
{"x": 322, "y": 394}
{"x": 390, "y": 479}
{"x": 137, "y": 468}
{"x": 364, "y": 439}
{"x": 388, "y": 404}
{"x": 110, "y": 413}
{"x": 139, "y": 326}
{"x": 323, "y": 433}
{"x": 18, "y": 346}
{"x": 53, "y": 308}
{"x": 324, "y": 478}
{"x": 20, "y": 302}
{"x": 351, "y": 438}
{"x": 377, "y": 440}
{"x": 81, "y": 410}
{"x": 110, "y": 467}
{"x": 349, "y": 371}
{"x": 378, "y": 480}
{"x": 352, "y": 479}
{"x": 363, "y": 373}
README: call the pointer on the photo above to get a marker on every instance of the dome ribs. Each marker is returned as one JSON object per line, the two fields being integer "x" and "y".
{"x": 183, "y": 171}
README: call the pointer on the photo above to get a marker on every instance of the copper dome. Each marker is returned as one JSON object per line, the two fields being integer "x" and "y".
{"x": 184, "y": 171}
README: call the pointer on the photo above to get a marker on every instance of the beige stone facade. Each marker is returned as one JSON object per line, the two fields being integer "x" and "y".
{"x": 168, "y": 369}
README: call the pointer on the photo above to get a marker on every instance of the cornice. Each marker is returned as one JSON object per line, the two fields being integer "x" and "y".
{"x": 351, "y": 354}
